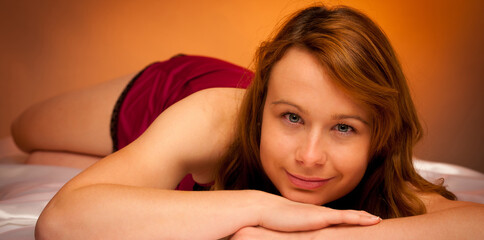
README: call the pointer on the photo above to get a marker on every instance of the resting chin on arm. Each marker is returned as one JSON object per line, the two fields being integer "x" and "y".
{"x": 128, "y": 195}
{"x": 445, "y": 219}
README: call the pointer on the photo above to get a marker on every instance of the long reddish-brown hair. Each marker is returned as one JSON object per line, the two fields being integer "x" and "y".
{"x": 360, "y": 61}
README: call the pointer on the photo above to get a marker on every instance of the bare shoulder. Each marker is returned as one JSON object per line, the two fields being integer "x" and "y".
{"x": 435, "y": 202}
{"x": 189, "y": 137}
{"x": 222, "y": 101}
{"x": 214, "y": 110}
{"x": 200, "y": 128}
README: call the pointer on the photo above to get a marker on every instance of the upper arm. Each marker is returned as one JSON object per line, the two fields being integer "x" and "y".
{"x": 192, "y": 134}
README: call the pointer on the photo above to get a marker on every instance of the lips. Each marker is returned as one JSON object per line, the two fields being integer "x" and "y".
{"x": 307, "y": 183}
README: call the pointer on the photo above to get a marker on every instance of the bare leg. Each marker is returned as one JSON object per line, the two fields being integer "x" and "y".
{"x": 76, "y": 122}
{"x": 9, "y": 152}
{"x": 63, "y": 159}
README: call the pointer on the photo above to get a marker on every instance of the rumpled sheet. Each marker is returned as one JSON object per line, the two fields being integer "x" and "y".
{"x": 465, "y": 183}
{"x": 26, "y": 189}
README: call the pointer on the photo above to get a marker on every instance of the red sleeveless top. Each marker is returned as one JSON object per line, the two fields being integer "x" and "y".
{"x": 162, "y": 84}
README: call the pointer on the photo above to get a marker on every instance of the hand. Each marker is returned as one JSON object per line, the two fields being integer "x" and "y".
{"x": 281, "y": 214}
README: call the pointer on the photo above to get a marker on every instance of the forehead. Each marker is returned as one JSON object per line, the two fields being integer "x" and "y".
{"x": 297, "y": 68}
{"x": 299, "y": 77}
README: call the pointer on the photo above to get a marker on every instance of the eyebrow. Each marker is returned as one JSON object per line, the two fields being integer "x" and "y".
{"x": 343, "y": 116}
{"x": 290, "y": 104}
{"x": 335, "y": 116}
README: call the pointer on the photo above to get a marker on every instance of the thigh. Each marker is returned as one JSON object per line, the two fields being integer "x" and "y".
{"x": 63, "y": 159}
{"x": 77, "y": 122}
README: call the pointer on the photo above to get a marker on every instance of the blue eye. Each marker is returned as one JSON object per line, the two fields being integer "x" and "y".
{"x": 293, "y": 118}
{"x": 344, "y": 128}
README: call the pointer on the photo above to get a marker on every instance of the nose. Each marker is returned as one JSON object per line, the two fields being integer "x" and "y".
{"x": 311, "y": 152}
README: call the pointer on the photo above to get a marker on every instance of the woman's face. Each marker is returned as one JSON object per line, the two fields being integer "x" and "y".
{"x": 315, "y": 139}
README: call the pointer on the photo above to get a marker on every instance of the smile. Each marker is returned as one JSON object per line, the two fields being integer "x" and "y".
{"x": 307, "y": 183}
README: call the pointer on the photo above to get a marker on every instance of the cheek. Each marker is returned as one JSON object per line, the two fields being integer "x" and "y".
{"x": 276, "y": 148}
{"x": 352, "y": 162}
{"x": 272, "y": 147}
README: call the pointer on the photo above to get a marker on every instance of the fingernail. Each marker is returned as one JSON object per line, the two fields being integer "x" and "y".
{"x": 376, "y": 218}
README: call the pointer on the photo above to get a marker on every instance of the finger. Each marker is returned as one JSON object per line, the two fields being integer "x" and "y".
{"x": 351, "y": 217}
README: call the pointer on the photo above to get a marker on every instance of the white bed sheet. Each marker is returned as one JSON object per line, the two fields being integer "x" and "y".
{"x": 26, "y": 189}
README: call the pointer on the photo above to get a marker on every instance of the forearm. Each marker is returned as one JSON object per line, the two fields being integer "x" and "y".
{"x": 122, "y": 212}
{"x": 455, "y": 223}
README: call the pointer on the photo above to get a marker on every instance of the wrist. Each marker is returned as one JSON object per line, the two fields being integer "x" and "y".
{"x": 263, "y": 205}
{"x": 259, "y": 203}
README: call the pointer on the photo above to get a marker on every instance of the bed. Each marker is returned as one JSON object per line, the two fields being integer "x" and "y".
{"x": 26, "y": 189}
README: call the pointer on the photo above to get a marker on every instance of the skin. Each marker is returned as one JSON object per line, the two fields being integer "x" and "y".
{"x": 75, "y": 122}
{"x": 127, "y": 195}
{"x": 312, "y": 131}
{"x": 301, "y": 135}
{"x": 453, "y": 220}
{"x": 142, "y": 175}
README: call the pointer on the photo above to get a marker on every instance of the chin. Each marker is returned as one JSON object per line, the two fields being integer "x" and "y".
{"x": 305, "y": 197}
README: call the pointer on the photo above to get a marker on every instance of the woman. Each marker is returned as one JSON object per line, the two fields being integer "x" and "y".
{"x": 327, "y": 120}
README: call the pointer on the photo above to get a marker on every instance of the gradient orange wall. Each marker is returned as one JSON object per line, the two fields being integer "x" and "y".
{"x": 52, "y": 46}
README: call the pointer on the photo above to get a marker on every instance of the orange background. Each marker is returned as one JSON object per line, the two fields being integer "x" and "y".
{"x": 52, "y": 46}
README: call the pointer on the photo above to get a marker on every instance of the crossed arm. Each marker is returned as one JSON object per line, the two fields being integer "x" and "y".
{"x": 463, "y": 221}
{"x": 126, "y": 195}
